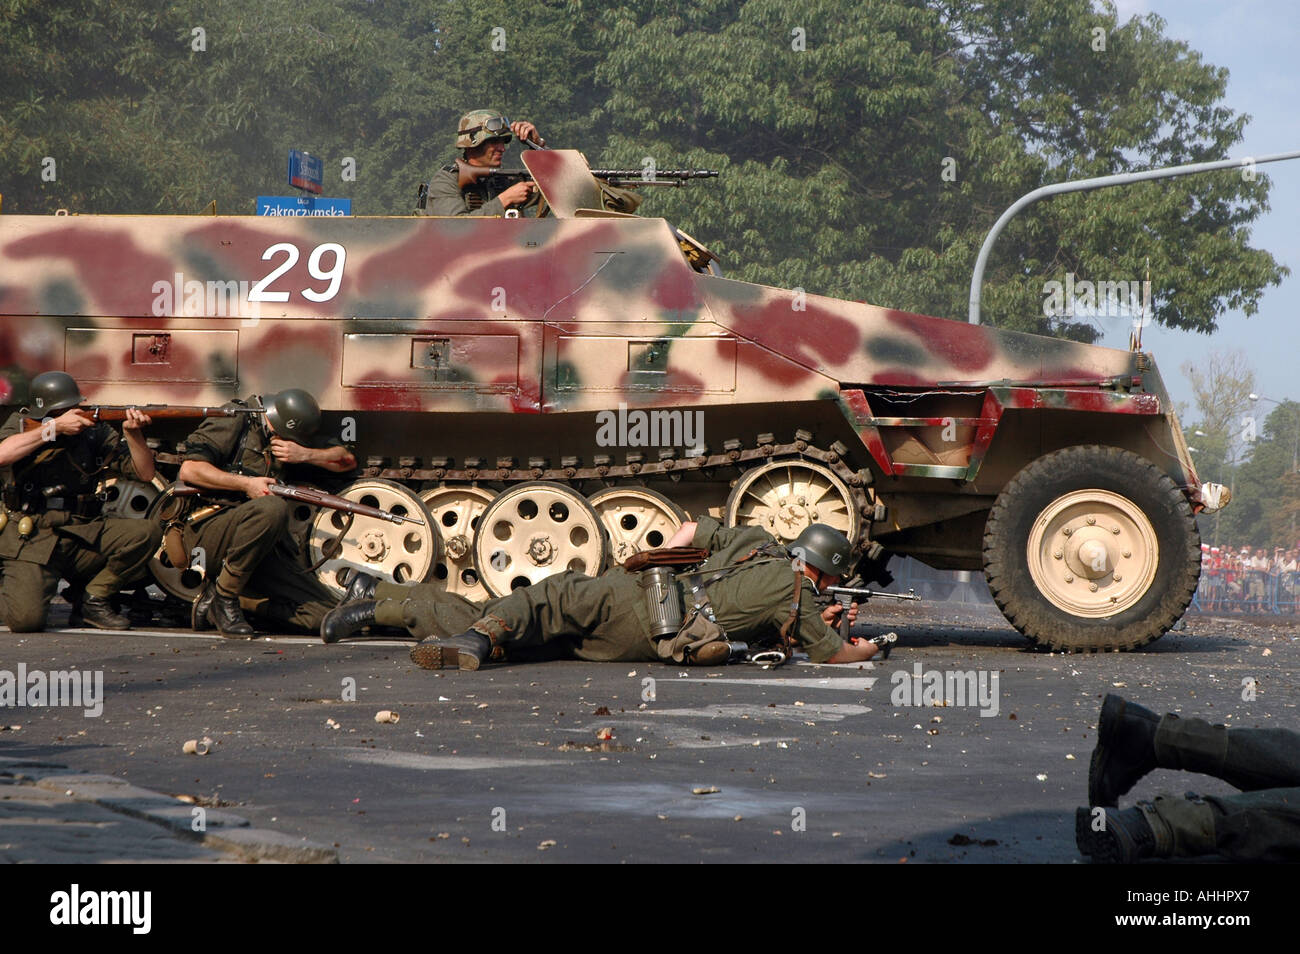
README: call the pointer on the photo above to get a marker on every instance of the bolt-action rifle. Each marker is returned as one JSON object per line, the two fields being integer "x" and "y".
{"x": 311, "y": 497}
{"x": 163, "y": 412}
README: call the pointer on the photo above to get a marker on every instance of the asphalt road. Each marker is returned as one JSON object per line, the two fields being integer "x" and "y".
{"x": 803, "y": 763}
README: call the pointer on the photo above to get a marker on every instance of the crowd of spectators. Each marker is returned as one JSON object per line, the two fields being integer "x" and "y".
{"x": 1248, "y": 580}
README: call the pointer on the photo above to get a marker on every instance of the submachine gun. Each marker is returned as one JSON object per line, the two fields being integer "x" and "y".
{"x": 846, "y": 596}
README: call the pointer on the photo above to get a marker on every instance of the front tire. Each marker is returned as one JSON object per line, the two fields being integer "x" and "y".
{"x": 1090, "y": 549}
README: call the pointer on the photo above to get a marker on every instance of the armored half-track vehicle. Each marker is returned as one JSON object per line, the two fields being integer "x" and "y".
{"x": 558, "y": 392}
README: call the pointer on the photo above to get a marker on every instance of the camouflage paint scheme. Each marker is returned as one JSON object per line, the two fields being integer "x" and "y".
{"x": 463, "y": 337}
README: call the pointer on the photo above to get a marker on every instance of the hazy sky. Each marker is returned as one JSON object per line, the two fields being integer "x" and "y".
{"x": 1258, "y": 41}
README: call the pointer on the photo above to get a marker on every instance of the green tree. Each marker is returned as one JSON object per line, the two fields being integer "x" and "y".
{"x": 835, "y": 154}
{"x": 1265, "y": 510}
{"x": 866, "y": 146}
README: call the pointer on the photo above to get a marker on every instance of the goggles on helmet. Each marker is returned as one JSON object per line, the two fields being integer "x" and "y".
{"x": 498, "y": 126}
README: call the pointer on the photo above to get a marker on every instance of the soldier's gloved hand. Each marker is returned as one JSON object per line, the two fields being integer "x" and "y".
{"x": 289, "y": 452}
{"x": 73, "y": 421}
{"x": 258, "y": 486}
{"x": 136, "y": 419}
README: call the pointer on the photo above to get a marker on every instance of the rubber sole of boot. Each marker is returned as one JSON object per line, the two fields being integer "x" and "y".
{"x": 1109, "y": 847}
{"x": 435, "y": 656}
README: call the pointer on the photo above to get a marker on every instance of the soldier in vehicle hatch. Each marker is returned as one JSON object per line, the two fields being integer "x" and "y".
{"x": 247, "y": 547}
{"x": 749, "y": 588}
{"x": 51, "y": 524}
{"x": 482, "y": 137}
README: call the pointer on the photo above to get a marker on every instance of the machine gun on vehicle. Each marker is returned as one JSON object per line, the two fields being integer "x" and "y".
{"x": 501, "y": 179}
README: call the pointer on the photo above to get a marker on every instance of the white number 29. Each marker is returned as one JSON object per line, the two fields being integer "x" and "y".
{"x": 260, "y": 292}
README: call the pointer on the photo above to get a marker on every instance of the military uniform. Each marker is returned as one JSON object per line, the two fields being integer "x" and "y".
{"x": 605, "y": 618}
{"x": 1261, "y": 823}
{"x": 250, "y": 540}
{"x": 446, "y": 197}
{"x": 55, "y": 485}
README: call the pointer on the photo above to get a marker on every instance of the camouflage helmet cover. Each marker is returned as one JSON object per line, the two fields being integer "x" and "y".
{"x": 293, "y": 414}
{"x": 52, "y": 392}
{"x": 471, "y": 132}
{"x": 824, "y": 548}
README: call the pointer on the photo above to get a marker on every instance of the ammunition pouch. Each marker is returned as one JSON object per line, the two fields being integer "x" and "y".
{"x": 87, "y": 506}
{"x": 699, "y": 630}
{"x": 177, "y": 513}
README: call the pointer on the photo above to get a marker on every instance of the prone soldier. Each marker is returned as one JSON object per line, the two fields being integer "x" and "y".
{"x": 250, "y": 541}
{"x": 51, "y": 527}
{"x": 750, "y": 588}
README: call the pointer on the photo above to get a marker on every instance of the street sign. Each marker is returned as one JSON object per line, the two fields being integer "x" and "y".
{"x": 306, "y": 172}
{"x": 302, "y": 205}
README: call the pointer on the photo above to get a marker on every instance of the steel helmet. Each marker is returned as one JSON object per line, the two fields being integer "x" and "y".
{"x": 52, "y": 392}
{"x": 293, "y": 414}
{"x": 480, "y": 125}
{"x": 823, "y": 548}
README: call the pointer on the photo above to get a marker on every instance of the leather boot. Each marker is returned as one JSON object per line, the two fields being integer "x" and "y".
{"x": 1116, "y": 837}
{"x": 1125, "y": 751}
{"x": 98, "y": 612}
{"x": 226, "y": 615}
{"x": 717, "y": 653}
{"x": 199, "y": 608}
{"x": 465, "y": 650}
{"x": 347, "y": 619}
{"x": 360, "y": 586}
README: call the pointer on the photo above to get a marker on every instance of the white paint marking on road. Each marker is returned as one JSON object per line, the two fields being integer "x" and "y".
{"x": 436, "y": 763}
{"x": 682, "y": 737}
{"x": 214, "y": 636}
{"x": 809, "y": 712}
{"x": 850, "y": 684}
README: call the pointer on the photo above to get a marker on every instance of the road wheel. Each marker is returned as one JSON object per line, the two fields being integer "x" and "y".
{"x": 786, "y": 496}
{"x": 397, "y": 553}
{"x": 533, "y": 530}
{"x": 636, "y": 519}
{"x": 456, "y": 509}
{"x": 1092, "y": 548}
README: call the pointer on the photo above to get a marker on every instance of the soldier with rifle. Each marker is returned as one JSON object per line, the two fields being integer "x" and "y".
{"x": 734, "y": 587}
{"x": 250, "y": 559}
{"x": 53, "y": 455}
